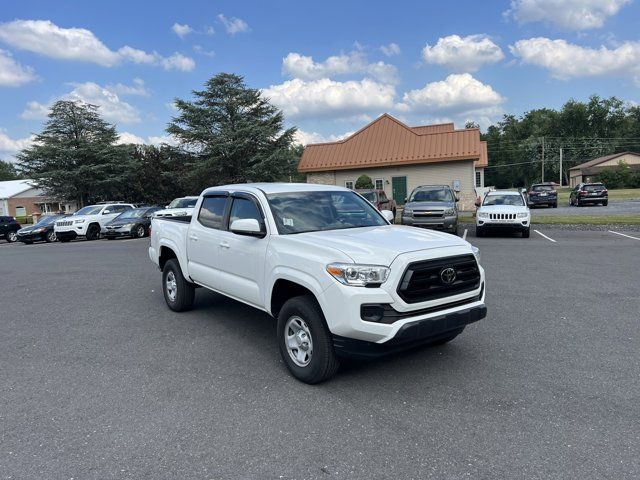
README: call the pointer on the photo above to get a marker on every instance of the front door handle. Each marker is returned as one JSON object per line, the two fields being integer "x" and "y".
{"x": 193, "y": 238}
{"x": 224, "y": 244}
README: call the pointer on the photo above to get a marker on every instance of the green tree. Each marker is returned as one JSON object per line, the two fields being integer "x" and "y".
{"x": 8, "y": 171}
{"x": 232, "y": 134}
{"x": 75, "y": 156}
{"x": 364, "y": 181}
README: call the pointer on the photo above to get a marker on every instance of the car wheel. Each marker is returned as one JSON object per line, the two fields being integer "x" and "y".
{"x": 140, "y": 231}
{"x": 305, "y": 342}
{"x": 93, "y": 232}
{"x": 605, "y": 203}
{"x": 526, "y": 233}
{"x": 555, "y": 205}
{"x": 449, "y": 337}
{"x": 178, "y": 293}
{"x": 479, "y": 232}
{"x": 50, "y": 237}
{"x": 578, "y": 204}
{"x": 11, "y": 237}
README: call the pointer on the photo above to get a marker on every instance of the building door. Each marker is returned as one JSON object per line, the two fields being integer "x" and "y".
{"x": 399, "y": 189}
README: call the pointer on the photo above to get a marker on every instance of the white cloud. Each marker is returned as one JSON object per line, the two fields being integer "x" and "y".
{"x": 202, "y": 51}
{"x": 305, "y": 138}
{"x": 458, "y": 94}
{"x": 10, "y": 145}
{"x": 12, "y": 74}
{"x": 138, "y": 88}
{"x": 234, "y": 25}
{"x": 391, "y": 49}
{"x": 160, "y": 139}
{"x": 300, "y": 98}
{"x": 566, "y": 14}
{"x": 112, "y": 108}
{"x": 79, "y": 44}
{"x": 565, "y": 60}
{"x": 462, "y": 54}
{"x": 181, "y": 30}
{"x": 305, "y": 68}
{"x": 127, "y": 137}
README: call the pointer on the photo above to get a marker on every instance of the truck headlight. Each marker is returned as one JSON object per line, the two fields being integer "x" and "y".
{"x": 483, "y": 215}
{"x": 449, "y": 212}
{"x": 358, "y": 275}
{"x": 79, "y": 221}
{"x": 523, "y": 215}
{"x": 476, "y": 253}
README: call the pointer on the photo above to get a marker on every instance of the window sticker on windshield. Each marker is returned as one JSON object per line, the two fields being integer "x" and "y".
{"x": 287, "y": 222}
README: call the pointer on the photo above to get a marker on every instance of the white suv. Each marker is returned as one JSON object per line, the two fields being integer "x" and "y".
{"x": 179, "y": 207}
{"x": 89, "y": 222}
{"x": 503, "y": 209}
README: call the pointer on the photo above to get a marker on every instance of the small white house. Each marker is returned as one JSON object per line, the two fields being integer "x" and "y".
{"x": 20, "y": 198}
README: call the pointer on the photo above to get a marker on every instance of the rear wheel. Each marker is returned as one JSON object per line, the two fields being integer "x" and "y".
{"x": 605, "y": 203}
{"x": 178, "y": 293}
{"x": 11, "y": 237}
{"x": 555, "y": 205}
{"x": 526, "y": 233}
{"x": 93, "y": 232}
{"x": 305, "y": 342}
{"x": 50, "y": 237}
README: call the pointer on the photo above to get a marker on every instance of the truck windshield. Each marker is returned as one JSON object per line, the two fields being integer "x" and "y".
{"x": 438, "y": 194}
{"x": 504, "y": 199}
{"x": 299, "y": 212}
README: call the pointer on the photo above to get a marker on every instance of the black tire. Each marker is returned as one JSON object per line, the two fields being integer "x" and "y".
{"x": 526, "y": 233}
{"x": 11, "y": 237}
{"x": 184, "y": 290}
{"x": 93, "y": 232}
{"x": 322, "y": 363}
{"x": 50, "y": 237}
{"x": 479, "y": 232}
{"x": 139, "y": 231}
{"x": 555, "y": 205}
{"x": 578, "y": 204}
{"x": 605, "y": 203}
{"x": 448, "y": 338}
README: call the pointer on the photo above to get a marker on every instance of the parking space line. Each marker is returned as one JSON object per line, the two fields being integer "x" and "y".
{"x": 624, "y": 235}
{"x": 464, "y": 235}
{"x": 543, "y": 235}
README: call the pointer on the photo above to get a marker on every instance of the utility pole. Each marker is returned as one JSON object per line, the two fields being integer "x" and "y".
{"x": 560, "y": 166}
{"x": 542, "y": 159}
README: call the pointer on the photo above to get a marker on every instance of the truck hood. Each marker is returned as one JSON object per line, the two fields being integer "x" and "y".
{"x": 380, "y": 245}
{"x": 502, "y": 209}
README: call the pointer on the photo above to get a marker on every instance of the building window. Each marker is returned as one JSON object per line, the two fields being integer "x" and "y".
{"x": 478, "y": 178}
{"x": 349, "y": 184}
{"x": 21, "y": 212}
{"x": 379, "y": 183}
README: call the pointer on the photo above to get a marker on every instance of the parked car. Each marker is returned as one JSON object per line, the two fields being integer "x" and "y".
{"x": 179, "y": 207}
{"x": 432, "y": 206}
{"x": 379, "y": 199}
{"x": 542, "y": 194}
{"x": 133, "y": 223}
{"x": 505, "y": 210}
{"x": 589, "y": 193}
{"x": 41, "y": 231}
{"x": 328, "y": 265}
{"x": 9, "y": 227}
{"x": 89, "y": 222}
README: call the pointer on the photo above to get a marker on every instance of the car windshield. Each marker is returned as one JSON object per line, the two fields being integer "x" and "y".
{"x": 48, "y": 220}
{"x": 299, "y": 212}
{"x": 183, "y": 203}
{"x": 432, "y": 195}
{"x": 542, "y": 188}
{"x": 91, "y": 210}
{"x": 133, "y": 213}
{"x": 504, "y": 199}
{"x": 371, "y": 196}
{"x": 593, "y": 188}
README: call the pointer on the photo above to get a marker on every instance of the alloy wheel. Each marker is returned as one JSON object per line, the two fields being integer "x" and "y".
{"x": 297, "y": 336}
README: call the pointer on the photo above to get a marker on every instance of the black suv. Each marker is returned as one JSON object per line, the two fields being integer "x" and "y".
{"x": 8, "y": 228}
{"x": 542, "y": 194}
{"x": 589, "y": 193}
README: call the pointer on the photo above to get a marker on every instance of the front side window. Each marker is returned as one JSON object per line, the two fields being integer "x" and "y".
{"x": 299, "y": 212}
{"x": 244, "y": 208}
{"x": 383, "y": 197}
{"x": 212, "y": 212}
{"x": 498, "y": 199}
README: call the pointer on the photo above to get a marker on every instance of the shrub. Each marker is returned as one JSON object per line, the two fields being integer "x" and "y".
{"x": 364, "y": 181}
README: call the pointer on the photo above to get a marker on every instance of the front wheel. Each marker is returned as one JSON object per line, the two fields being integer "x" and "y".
{"x": 526, "y": 233}
{"x": 178, "y": 293}
{"x": 139, "y": 231}
{"x": 50, "y": 237}
{"x": 93, "y": 232}
{"x": 11, "y": 237}
{"x": 305, "y": 342}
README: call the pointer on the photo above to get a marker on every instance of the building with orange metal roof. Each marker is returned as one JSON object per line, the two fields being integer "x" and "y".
{"x": 399, "y": 158}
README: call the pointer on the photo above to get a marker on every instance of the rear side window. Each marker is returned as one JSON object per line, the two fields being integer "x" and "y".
{"x": 212, "y": 212}
{"x": 244, "y": 208}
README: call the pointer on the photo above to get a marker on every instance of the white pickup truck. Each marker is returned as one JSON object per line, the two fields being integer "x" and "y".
{"x": 339, "y": 278}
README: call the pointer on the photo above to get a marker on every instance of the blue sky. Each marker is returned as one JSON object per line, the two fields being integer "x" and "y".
{"x": 331, "y": 66}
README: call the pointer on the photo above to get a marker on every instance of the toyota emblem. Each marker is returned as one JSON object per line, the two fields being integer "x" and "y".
{"x": 448, "y": 275}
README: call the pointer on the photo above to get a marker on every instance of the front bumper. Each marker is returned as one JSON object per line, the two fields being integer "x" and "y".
{"x": 440, "y": 223}
{"x": 592, "y": 199}
{"x": 31, "y": 237}
{"x": 66, "y": 235}
{"x": 410, "y": 334}
{"x": 118, "y": 232}
{"x": 520, "y": 224}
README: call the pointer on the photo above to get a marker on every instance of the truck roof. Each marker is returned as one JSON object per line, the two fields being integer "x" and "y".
{"x": 268, "y": 188}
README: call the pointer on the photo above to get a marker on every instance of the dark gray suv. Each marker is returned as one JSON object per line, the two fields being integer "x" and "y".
{"x": 432, "y": 206}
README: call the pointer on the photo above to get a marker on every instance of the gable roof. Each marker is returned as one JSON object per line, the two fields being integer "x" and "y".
{"x": 599, "y": 160}
{"x": 11, "y": 188}
{"x": 387, "y": 142}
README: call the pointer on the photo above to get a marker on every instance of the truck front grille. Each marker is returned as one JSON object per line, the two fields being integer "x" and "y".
{"x": 502, "y": 216}
{"x": 428, "y": 213}
{"x": 64, "y": 224}
{"x": 439, "y": 278}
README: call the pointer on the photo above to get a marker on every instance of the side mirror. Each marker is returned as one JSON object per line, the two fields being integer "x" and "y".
{"x": 247, "y": 226}
{"x": 106, "y": 212}
{"x": 388, "y": 215}
{"x": 405, "y": 199}
{"x": 166, "y": 206}
{"x": 457, "y": 198}
{"x": 478, "y": 202}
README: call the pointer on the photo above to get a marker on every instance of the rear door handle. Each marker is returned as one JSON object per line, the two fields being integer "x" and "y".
{"x": 224, "y": 244}
{"x": 193, "y": 238}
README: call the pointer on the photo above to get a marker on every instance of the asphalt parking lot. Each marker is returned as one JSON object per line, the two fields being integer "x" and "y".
{"x": 631, "y": 207}
{"x": 100, "y": 380}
